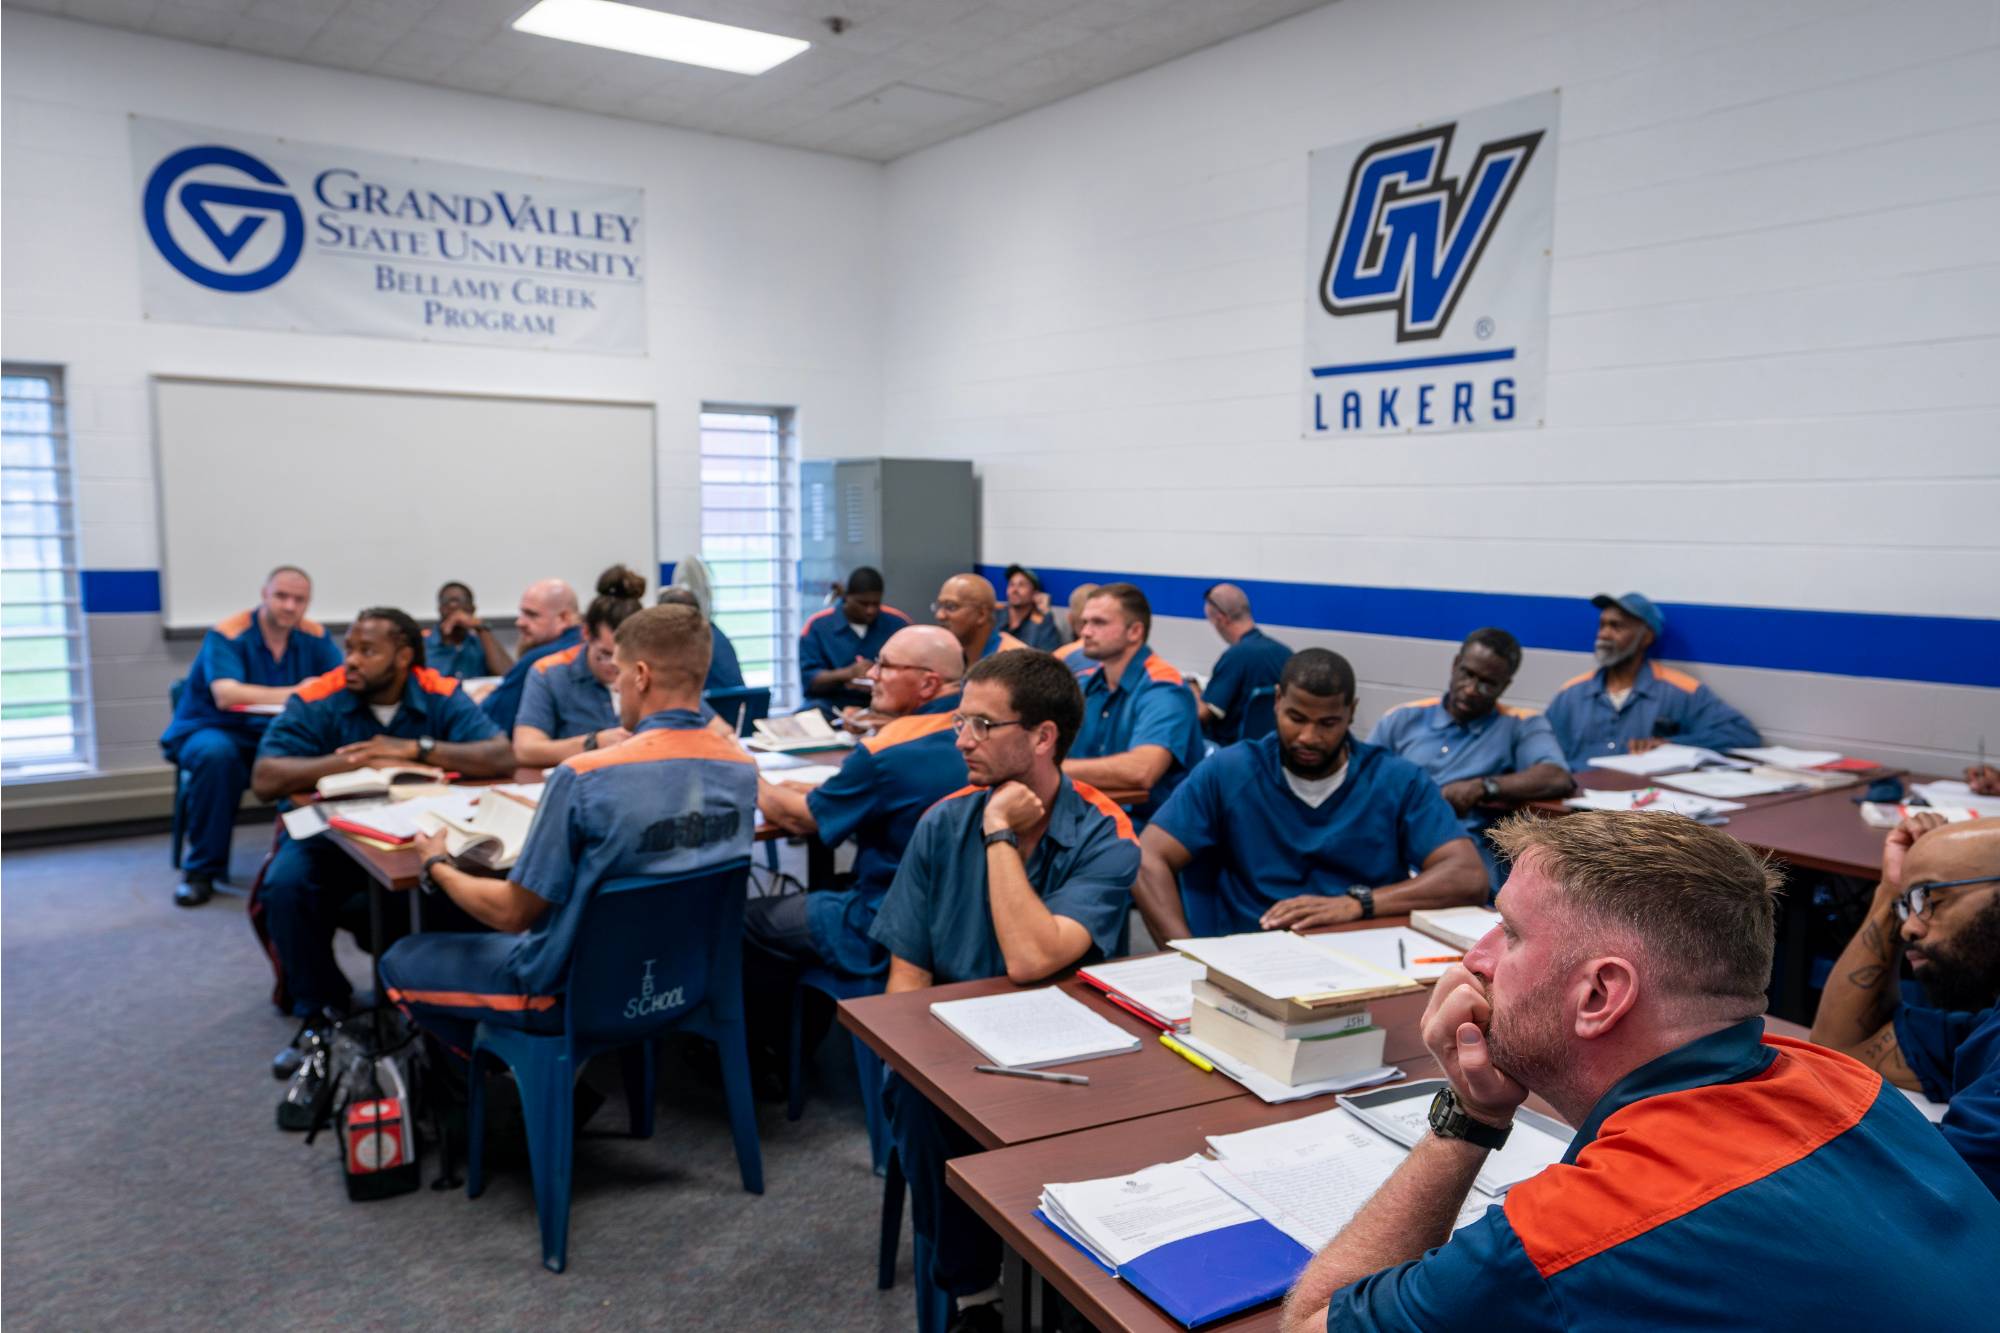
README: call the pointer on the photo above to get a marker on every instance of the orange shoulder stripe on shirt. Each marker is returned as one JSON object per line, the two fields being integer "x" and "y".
{"x": 905, "y": 729}
{"x": 651, "y": 746}
{"x": 563, "y": 658}
{"x": 461, "y": 999}
{"x": 1107, "y": 807}
{"x": 817, "y": 615}
{"x": 1576, "y": 680}
{"x": 324, "y": 687}
{"x": 971, "y": 789}
{"x": 1680, "y": 680}
{"x": 1661, "y": 1158}
{"x": 235, "y": 625}
{"x": 1511, "y": 711}
{"x": 313, "y": 627}
{"x": 1008, "y": 643}
{"x": 1412, "y": 703}
{"x": 434, "y": 682}
{"x": 1069, "y": 647}
{"x": 1159, "y": 668}
{"x": 894, "y": 612}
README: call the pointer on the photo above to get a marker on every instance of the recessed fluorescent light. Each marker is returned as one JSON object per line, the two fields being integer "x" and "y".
{"x": 648, "y": 32}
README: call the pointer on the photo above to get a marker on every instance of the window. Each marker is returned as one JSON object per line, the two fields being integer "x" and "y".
{"x": 750, "y": 540}
{"x": 44, "y": 691}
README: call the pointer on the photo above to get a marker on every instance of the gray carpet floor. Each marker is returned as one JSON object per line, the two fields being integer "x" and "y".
{"x": 145, "y": 1185}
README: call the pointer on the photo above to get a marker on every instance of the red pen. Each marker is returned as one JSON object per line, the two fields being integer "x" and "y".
{"x": 1646, "y": 798}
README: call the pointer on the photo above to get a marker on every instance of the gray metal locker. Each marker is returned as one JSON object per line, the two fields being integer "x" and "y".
{"x": 915, "y": 519}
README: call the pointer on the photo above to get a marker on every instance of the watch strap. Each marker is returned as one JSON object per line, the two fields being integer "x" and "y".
{"x": 1366, "y": 897}
{"x": 424, "y": 879}
{"x": 1450, "y": 1121}
{"x": 1005, "y": 835}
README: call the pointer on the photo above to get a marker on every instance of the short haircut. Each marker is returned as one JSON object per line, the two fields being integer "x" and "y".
{"x": 672, "y": 640}
{"x": 465, "y": 588}
{"x": 1039, "y": 687}
{"x": 1498, "y": 642}
{"x": 287, "y": 569}
{"x": 675, "y": 595}
{"x": 1698, "y": 902}
{"x": 865, "y": 579}
{"x": 1130, "y": 601}
{"x": 1230, "y": 602}
{"x": 619, "y": 591}
{"x": 1319, "y": 671}
{"x": 401, "y": 627}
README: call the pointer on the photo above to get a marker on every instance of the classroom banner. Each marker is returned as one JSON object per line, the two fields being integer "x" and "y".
{"x": 1428, "y": 268}
{"x": 246, "y": 230}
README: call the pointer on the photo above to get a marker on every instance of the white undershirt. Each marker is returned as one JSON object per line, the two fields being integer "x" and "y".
{"x": 383, "y": 712}
{"x": 1314, "y": 791}
{"x": 1619, "y": 698}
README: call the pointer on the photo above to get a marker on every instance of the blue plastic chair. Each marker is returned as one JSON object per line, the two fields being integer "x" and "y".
{"x": 179, "y": 834}
{"x": 741, "y": 706}
{"x": 1260, "y": 712}
{"x": 867, "y": 1064}
{"x": 651, "y": 956}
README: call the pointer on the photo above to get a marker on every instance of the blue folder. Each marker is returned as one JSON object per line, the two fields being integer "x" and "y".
{"x": 1200, "y": 1279}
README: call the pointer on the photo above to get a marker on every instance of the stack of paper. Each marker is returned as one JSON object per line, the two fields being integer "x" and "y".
{"x": 1702, "y": 808}
{"x": 1033, "y": 1029}
{"x": 1947, "y": 795}
{"x": 1159, "y": 989}
{"x": 802, "y": 731}
{"x": 1403, "y": 1114}
{"x": 1731, "y": 785}
{"x": 1460, "y": 927}
{"x": 1665, "y": 759}
{"x": 1378, "y": 948}
{"x": 1784, "y": 756}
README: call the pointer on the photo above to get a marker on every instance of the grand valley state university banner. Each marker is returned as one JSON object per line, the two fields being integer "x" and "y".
{"x": 245, "y": 230}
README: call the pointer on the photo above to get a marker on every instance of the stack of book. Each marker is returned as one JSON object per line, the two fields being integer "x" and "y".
{"x": 1291, "y": 1007}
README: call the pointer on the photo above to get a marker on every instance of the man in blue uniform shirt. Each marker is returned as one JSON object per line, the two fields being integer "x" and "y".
{"x": 724, "y": 672}
{"x": 383, "y": 707}
{"x": 1026, "y": 609}
{"x": 1253, "y": 661}
{"x": 1938, "y": 907}
{"x": 257, "y": 658}
{"x": 1022, "y": 874}
{"x": 1719, "y": 1177}
{"x": 1484, "y": 756}
{"x": 839, "y": 644}
{"x": 1140, "y": 731}
{"x": 547, "y": 623}
{"x": 598, "y": 820}
{"x": 567, "y": 708}
{"x": 1630, "y": 705}
{"x": 1310, "y": 827}
{"x": 461, "y": 644}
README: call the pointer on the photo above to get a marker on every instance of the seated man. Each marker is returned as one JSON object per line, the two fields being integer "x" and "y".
{"x": 1071, "y": 653}
{"x": 839, "y": 644}
{"x": 1984, "y": 779}
{"x": 462, "y": 645}
{"x": 1628, "y": 705}
{"x": 383, "y": 707}
{"x": 1309, "y": 826}
{"x": 1938, "y": 905}
{"x": 1483, "y": 755}
{"x": 882, "y": 790}
{"x": 965, "y": 606}
{"x": 257, "y": 657}
{"x": 1252, "y": 661}
{"x": 546, "y": 623}
{"x": 724, "y": 673}
{"x": 1027, "y": 610}
{"x": 1022, "y": 875}
{"x": 1139, "y": 731}
{"x": 600, "y": 818}
{"x": 1718, "y": 1178}
{"x": 567, "y": 707}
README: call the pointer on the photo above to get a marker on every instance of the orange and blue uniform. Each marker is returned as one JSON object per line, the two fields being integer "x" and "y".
{"x": 829, "y": 641}
{"x": 1665, "y": 703}
{"x": 1252, "y": 663}
{"x": 1151, "y": 705}
{"x": 306, "y": 884}
{"x": 564, "y": 697}
{"x": 1038, "y": 631}
{"x": 465, "y": 659}
{"x": 673, "y": 798}
{"x": 505, "y": 702}
{"x": 213, "y": 747}
{"x": 1072, "y": 656}
{"x": 1741, "y": 1181}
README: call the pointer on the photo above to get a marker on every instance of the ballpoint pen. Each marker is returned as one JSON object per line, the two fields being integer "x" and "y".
{"x": 1041, "y": 1074}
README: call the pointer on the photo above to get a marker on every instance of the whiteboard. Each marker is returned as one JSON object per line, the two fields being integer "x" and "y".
{"x": 383, "y": 495}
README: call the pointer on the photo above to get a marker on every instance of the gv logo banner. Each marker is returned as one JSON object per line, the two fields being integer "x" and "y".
{"x": 207, "y": 202}
{"x": 1430, "y": 259}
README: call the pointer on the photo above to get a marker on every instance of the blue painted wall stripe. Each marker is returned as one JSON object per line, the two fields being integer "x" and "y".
{"x": 110, "y": 592}
{"x": 1945, "y": 650}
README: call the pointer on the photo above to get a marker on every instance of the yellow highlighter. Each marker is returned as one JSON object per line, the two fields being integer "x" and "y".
{"x": 1186, "y": 1053}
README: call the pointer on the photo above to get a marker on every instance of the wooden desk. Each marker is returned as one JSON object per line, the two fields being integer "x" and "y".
{"x": 1610, "y": 779}
{"x": 1823, "y": 832}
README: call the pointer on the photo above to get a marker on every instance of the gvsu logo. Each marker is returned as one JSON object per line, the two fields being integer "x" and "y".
{"x": 648, "y": 1001}
{"x": 1409, "y": 236}
{"x": 192, "y": 195}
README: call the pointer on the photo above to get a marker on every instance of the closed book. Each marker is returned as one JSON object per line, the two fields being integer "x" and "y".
{"x": 1460, "y": 927}
{"x": 1295, "y": 1060}
{"x": 1324, "y": 1023}
{"x": 1283, "y": 1011}
{"x": 1201, "y": 1279}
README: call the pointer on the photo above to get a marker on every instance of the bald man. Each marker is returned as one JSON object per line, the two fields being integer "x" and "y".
{"x": 1937, "y": 907}
{"x": 1252, "y": 661}
{"x": 548, "y": 623}
{"x": 965, "y": 605}
{"x": 876, "y": 799}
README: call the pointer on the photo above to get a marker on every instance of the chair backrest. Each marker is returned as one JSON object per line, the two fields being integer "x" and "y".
{"x": 741, "y": 706}
{"x": 1260, "y": 712}
{"x": 174, "y": 693}
{"x": 649, "y": 951}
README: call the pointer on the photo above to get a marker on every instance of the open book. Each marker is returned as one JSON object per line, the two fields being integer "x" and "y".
{"x": 488, "y": 839}
{"x": 801, "y": 731}
{"x": 397, "y": 780}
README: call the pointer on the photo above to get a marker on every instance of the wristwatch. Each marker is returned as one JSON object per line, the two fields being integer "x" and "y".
{"x": 424, "y": 880}
{"x": 1449, "y": 1121}
{"x": 1005, "y": 835}
{"x": 1366, "y": 897}
{"x": 1491, "y": 786}
{"x": 425, "y": 744}
{"x": 590, "y": 740}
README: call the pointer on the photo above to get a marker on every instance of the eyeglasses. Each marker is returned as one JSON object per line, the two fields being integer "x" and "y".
{"x": 1920, "y": 900}
{"x": 946, "y": 608}
{"x": 881, "y": 666}
{"x": 978, "y": 727}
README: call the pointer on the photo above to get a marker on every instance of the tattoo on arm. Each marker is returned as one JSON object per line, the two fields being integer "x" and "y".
{"x": 1883, "y": 1054}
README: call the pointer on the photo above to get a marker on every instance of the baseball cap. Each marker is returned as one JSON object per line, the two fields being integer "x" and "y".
{"x": 1027, "y": 573}
{"x": 1638, "y": 606}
